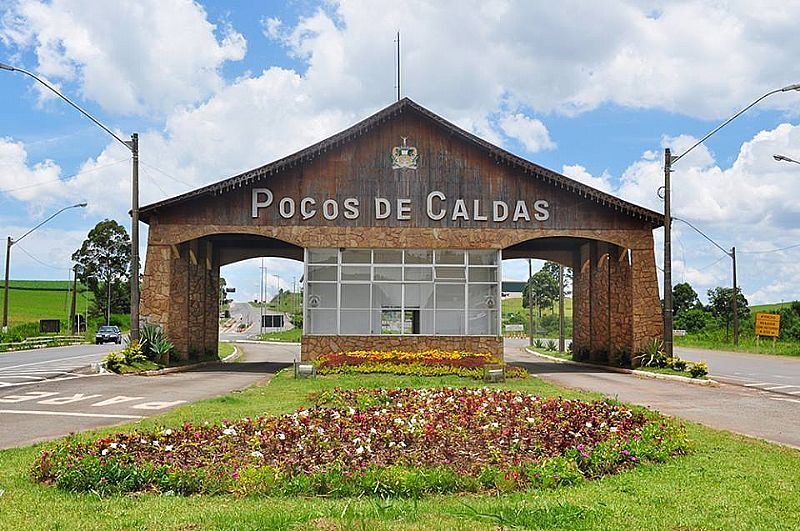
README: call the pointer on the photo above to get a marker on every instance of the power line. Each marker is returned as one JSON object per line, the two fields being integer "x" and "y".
{"x": 37, "y": 260}
{"x": 773, "y": 250}
{"x": 159, "y": 170}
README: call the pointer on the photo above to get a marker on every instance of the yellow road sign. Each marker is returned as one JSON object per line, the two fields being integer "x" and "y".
{"x": 768, "y": 324}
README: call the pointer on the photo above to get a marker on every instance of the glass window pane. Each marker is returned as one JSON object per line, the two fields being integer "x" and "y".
{"x": 323, "y": 256}
{"x": 355, "y": 273}
{"x": 322, "y": 295}
{"x": 392, "y": 322}
{"x": 482, "y": 257}
{"x": 354, "y": 322}
{"x": 426, "y": 322}
{"x": 419, "y": 256}
{"x": 419, "y": 274}
{"x": 383, "y": 274}
{"x": 449, "y": 256}
{"x": 451, "y": 274}
{"x": 322, "y": 322}
{"x": 356, "y": 256}
{"x": 387, "y": 256}
{"x": 450, "y": 322}
{"x": 386, "y": 295}
{"x": 355, "y": 296}
{"x": 419, "y": 296}
{"x": 483, "y": 274}
{"x": 482, "y": 296}
{"x": 482, "y": 323}
{"x": 449, "y": 296}
{"x": 322, "y": 273}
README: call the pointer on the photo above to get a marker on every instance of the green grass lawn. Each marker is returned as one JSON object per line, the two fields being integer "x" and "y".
{"x": 746, "y": 344}
{"x": 726, "y": 482}
{"x": 225, "y": 350}
{"x": 42, "y": 299}
{"x": 293, "y": 335}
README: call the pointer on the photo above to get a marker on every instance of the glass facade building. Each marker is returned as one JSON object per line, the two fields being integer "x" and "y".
{"x": 402, "y": 292}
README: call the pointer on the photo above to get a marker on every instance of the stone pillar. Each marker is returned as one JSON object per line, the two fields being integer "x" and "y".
{"x": 581, "y": 275}
{"x": 646, "y": 303}
{"x": 180, "y": 293}
{"x": 599, "y": 314}
{"x": 620, "y": 290}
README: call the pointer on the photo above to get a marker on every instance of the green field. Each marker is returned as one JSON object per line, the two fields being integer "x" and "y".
{"x": 513, "y": 305}
{"x": 726, "y": 482}
{"x": 31, "y": 300}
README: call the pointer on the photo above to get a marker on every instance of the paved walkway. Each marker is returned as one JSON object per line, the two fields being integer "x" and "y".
{"x": 746, "y": 410}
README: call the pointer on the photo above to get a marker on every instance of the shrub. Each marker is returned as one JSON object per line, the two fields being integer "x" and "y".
{"x": 113, "y": 361}
{"x": 653, "y": 354}
{"x": 698, "y": 370}
{"x": 155, "y": 344}
{"x": 552, "y": 345}
{"x": 426, "y": 363}
{"x": 678, "y": 364}
{"x": 375, "y": 442}
{"x": 538, "y": 343}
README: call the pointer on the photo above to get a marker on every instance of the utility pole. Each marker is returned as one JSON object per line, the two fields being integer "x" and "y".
{"x": 667, "y": 255}
{"x": 561, "y": 345}
{"x": 134, "y": 279}
{"x": 72, "y": 316}
{"x": 735, "y": 301}
{"x": 530, "y": 303}
{"x": 9, "y": 242}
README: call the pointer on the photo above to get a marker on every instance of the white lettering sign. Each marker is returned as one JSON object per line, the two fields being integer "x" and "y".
{"x": 437, "y": 207}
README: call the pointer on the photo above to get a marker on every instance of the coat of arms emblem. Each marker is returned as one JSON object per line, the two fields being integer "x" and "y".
{"x": 404, "y": 156}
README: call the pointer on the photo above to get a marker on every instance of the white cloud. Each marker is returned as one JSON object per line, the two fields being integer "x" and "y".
{"x": 530, "y": 132}
{"x": 24, "y": 182}
{"x": 130, "y": 57}
{"x": 751, "y": 205}
{"x": 579, "y": 173}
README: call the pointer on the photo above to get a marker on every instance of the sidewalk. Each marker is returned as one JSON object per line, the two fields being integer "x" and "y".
{"x": 733, "y": 408}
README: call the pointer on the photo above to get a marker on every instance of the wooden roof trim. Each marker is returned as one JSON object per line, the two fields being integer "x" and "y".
{"x": 500, "y": 156}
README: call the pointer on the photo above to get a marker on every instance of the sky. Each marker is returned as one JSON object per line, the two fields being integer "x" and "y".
{"x": 595, "y": 92}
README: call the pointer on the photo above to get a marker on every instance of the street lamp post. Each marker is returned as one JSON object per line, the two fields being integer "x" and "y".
{"x": 133, "y": 146}
{"x": 11, "y": 241}
{"x": 669, "y": 160}
{"x": 784, "y": 158}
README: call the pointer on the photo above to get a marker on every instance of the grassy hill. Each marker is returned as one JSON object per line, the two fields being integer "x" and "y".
{"x": 770, "y": 308}
{"x": 31, "y": 300}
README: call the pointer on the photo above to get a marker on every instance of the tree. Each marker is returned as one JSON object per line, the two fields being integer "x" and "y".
{"x": 105, "y": 259}
{"x": 720, "y": 302}
{"x": 683, "y": 298}
{"x": 541, "y": 289}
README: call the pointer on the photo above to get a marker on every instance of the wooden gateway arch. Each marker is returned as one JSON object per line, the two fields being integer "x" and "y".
{"x": 402, "y": 221}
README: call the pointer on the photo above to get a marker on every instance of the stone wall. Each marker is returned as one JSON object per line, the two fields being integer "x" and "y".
{"x": 314, "y": 346}
{"x": 180, "y": 294}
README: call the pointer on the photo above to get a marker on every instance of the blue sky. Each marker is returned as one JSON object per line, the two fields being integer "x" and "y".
{"x": 214, "y": 88}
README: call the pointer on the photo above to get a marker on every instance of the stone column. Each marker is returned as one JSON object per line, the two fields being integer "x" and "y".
{"x": 646, "y": 303}
{"x": 581, "y": 276}
{"x": 620, "y": 291}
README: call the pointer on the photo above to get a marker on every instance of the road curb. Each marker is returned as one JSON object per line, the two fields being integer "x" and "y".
{"x": 642, "y": 374}
{"x": 170, "y": 370}
{"x": 256, "y": 342}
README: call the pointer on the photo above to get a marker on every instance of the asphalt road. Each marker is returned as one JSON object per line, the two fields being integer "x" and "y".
{"x": 30, "y": 367}
{"x": 57, "y": 407}
{"x": 243, "y": 312}
{"x": 750, "y": 411}
{"x": 778, "y": 374}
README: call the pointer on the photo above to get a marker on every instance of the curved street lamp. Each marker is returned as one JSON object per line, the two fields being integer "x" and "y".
{"x": 133, "y": 146}
{"x": 784, "y": 158}
{"x": 11, "y": 241}
{"x": 669, "y": 160}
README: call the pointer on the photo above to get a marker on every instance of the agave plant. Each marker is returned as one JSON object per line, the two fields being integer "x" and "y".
{"x": 155, "y": 344}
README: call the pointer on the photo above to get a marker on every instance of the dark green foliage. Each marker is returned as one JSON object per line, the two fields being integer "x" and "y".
{"x": 694, "y": 320}
{"x": 683, "y": 298}
{"x": 720, "y": 303}
{"x": 105, "y": 258}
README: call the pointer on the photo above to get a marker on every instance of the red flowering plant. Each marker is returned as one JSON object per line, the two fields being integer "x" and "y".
{"x": 402, "y": 442}
{"x": 433, "y": 362}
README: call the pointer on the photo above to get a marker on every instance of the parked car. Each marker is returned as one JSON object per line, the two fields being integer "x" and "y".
{"x": 108, "y": 334}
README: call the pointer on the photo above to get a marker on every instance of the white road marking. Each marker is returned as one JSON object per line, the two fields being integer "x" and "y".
{"x": 779, "y": 387}
{"x": 757, "y": 384}
{"x": 784, "y": 399}
{"x": 68, "y": 414}
{"x": 50, "y": 361}
{"x": 794, "y": 392}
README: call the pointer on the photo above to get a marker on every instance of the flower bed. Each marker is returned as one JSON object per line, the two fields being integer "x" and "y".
{"x": 425, "y": 363}
{"x": 401, "y": 442}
